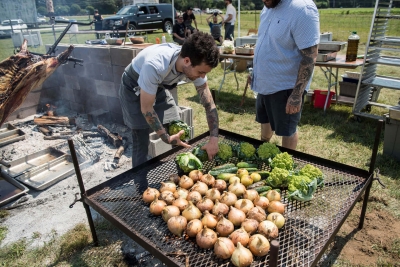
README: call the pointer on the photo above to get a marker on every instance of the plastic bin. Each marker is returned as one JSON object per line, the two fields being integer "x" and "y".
{"x": 348, "y": 89}
{"x": 320, "y": 98}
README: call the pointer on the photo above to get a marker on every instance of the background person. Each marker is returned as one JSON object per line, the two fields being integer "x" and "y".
{"x": 215, "y": 27}
{"x": 229, "y": 20}
{"x": 179, "y": 31}
{"x": 146, "y": 102}
{"x": 284, "y": 59}
{"x": 188, "y": 18}
{"x": 98, "y": 24}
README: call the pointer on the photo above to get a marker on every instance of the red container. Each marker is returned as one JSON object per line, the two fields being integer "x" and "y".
{"x": 320, "y": 98}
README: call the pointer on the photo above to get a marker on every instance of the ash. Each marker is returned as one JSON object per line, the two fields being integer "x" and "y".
{"x": 46, "y": 212}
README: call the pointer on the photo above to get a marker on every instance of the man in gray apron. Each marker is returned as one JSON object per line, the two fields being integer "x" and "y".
{"x": 148, "y": 105}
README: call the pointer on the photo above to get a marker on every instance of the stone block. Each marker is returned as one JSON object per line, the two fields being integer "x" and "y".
{"x": 22, "y": 113}
{"x": 174, "y": 93}
{"x": 117, "y": 118}
{"x": 32, "y": 99}
{"x": 100, "y": 54}
{"x": 56, "y": 79}
{"x": 117, "y": 72}
{"x": 79, "y": 108}
{"x": 114, "y": 105}
{"x": 50, "y": 95}
{"x": 68, "y": 93}
{"x": 99, "y": 116}
{"x": 101, "y": 71}
{"x": 157, "y": 146}
{"x": 105, "y": 88}
{"x": 122, "y": 55}
{"x": 86, "y": 84}
{"x": 186, "y": 115}
{"x": 71, "y": 82}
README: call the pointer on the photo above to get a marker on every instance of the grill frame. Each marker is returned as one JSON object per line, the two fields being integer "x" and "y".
{"x": 362, "y": 179}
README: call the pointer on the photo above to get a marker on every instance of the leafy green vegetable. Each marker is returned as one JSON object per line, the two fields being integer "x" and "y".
{"x": 200, "y": 153}
{"x": 188, "y": 162}
{"x": 224, "y": 152}
{"x": 313, "y": 172}
{"x": 245, "y": 151}
{"x": 176, "y": 126}
{"x": 267, "y": 151}
{"x": 283, "y": 161}
{"x": 301, "y": 187}
{"x": 278, "y": 177}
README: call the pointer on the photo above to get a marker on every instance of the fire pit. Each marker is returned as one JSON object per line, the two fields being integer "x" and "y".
{"x": 309, "y": 229}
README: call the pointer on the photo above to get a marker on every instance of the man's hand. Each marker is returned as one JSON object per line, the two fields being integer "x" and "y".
{"x": 176, "y": 140}
{"x": 293, "y": 104}
{"x": 211, "y": 147}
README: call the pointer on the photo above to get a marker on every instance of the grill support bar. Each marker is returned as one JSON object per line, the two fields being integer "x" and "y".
{"x": 83, "y": 191}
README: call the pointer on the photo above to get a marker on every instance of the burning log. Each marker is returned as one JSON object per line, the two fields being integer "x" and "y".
{"x": 53, "y": 120}
{"x": 114, "y": 138}
{"x": 21, "y": 73}
{"x": 45, "y": 130}
{"x": 51, "y": 110}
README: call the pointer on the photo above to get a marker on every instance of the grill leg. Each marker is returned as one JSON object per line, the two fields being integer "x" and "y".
{"x": 274, "y": 253}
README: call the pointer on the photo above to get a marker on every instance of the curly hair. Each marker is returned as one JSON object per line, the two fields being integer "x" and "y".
{"x": 200, "y": 47}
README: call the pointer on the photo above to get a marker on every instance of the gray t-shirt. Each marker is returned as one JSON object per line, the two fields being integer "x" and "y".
{"x": 156, "y": 66}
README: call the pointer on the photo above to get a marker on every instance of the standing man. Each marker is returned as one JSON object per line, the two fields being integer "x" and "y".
{"x": 284, "y": 59}
{"x": 147, "y": 105}
{"x": 98, "y": 24}
{"x": 188, "y": 18}
{"x": 229, "y": 20}
{"x": 179, "y": 31}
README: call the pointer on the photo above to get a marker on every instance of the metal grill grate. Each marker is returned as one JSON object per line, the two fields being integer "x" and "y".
{"x": 309, "y": 225}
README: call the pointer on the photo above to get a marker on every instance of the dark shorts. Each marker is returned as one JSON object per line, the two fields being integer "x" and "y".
{"x": 272, "y": 109}
{"x": 229, "y": 30}
{"x": 191, "y": 28}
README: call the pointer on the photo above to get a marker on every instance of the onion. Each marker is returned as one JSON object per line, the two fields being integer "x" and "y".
{"x": 224, "y": 248}
{"x": 181, "y": 203}
{"x": 181, "y": 192}
{"x": 261, "y": 201}
{"x": 168, "y": 186}
{"x": 177, "y": 224}
{"x": 195, "y": 175}
{"x": 224, "y": 226}
{"x": 208, "y": 179}
{"x": 277, "y": 219}
{"x": 241, "y": 256}
{"x": 237, "y": 188}
{"x": 236, "y": 216}
{"x": 205, "y": 204}
{"x": 242, "y": 171}
{"x": 213, "y": 194}
{"x": 191, "y": 212}
{"x": 194, "y": 196}
{"x": 244, "y": 205}
{"x": 220, "y": 185}
{"x": 273, "y": 195}
{"x": 228, "y": 198}
{"x": 185, "y": 182}
{"x": 276, "y": 206}
{"x": 170, "y": 211}
{"x": 250, "y": 194}
{"x": 200, "y": 187}
{"x": 193, "y": 227}
{"x": 240, "y": 235}
{"x": 168, "y": 197}
{"x": 150, "y": 194}
{"x": 233, "y": 179}
{"x": 209, "y": 220}
{"x": 257, "y": 214}
{"x": 250, "y": 225}
{"x": 268, "y": 229}
{"x": 259, "y": 245}
{"x": 157, "y": 206}
{"x": 174, "y": 178}
{"x": 220, "y": 208}
{"x": 246, "y": 180}
{"x": 206, "y": 238}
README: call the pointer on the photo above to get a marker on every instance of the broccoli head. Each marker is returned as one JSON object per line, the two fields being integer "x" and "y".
{"x": 301, "y": 187}
{"x": 245, "y": 151}
{"x": 278, "y": 177}
{"x": 283, "y": 161}
{"x": 188, "y": 162}
{"x": 224, "y": 152}
{"x": 267, "y": 151}
{"x": 176, "y": 126}
{"x": 313, "y": 172}
{"x": 200, "y": 153}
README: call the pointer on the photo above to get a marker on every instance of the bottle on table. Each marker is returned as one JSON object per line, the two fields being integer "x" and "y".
{"x": 352, "y": 47}
{"x": 163, "y": 40}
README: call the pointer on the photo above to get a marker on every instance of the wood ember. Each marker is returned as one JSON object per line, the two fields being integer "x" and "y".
{"x": 114, "y": 138}
{"x": 53, "y": 120}
{"x": 83, "y": 149}
{"x": 23, "y": 72}
{"x": 45, "y": 130}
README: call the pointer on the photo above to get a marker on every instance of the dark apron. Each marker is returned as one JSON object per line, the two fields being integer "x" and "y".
{"x": 165, "y": 105}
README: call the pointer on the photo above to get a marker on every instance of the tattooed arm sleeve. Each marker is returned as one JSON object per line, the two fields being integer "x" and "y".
{"x": 211, "y": 110}
{"x": 309, "y": 57}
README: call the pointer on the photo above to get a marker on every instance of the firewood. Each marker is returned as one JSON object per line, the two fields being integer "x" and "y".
{"x": 23, "y": 72}
{"x": 53, "y": 120}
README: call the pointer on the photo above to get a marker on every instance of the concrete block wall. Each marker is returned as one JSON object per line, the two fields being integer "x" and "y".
{"x": 83, "y": 89}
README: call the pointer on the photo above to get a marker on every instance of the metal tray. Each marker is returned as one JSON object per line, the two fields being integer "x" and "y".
{"x": 244, "y": 51}
{"x": 10, "y": 190}
{"x": 21, "y": 165}
{"x": 50, "y": 173}
{"x": 9, "y": 134}
{"x": 331, "y": 46}
{"x": 324, "y": 56}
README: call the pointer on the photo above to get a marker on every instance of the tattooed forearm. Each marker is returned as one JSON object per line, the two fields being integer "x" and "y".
{"x": 153, "y": 121}
{"x": 211, "y": 110}
{"x": 165, "y": 137}
{"x": 213, "y": 122}
{"x": 306, "y": 68}
{"x": 205, "y": 96}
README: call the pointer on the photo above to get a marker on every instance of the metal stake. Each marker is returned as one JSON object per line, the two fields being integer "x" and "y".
{"x": 274, "y": 253}
{"x": 83, "y": 191}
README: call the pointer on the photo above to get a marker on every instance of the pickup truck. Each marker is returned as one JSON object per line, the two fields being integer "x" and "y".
{"x": 18, "y": 25}
{"x": 141, "y": 16}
